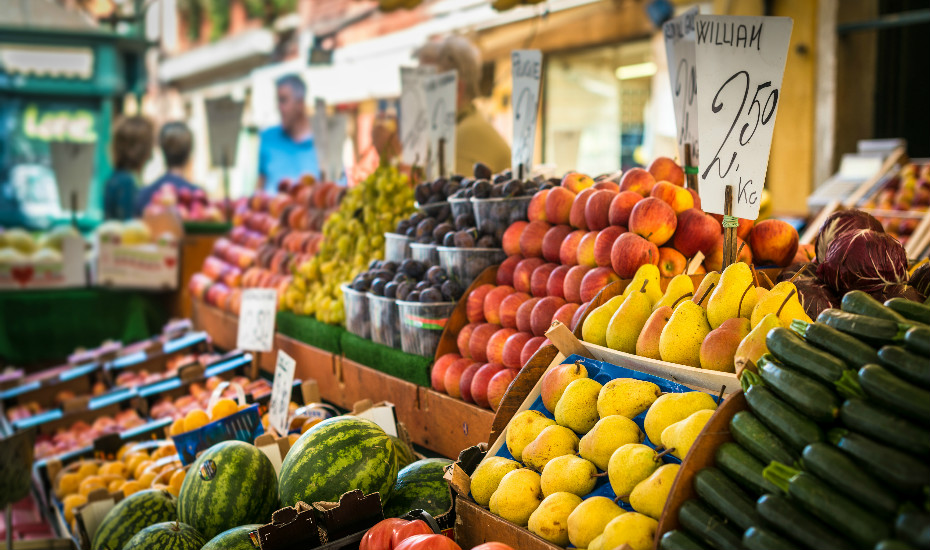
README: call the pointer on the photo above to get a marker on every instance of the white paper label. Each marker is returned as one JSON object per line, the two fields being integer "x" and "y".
{"x": 414, "y": 131}
{"x": 526, "y": 66}
{"x": 335, "y": 137}
{"x": 742, "y": 61}
{"x": 281, "y": 392}
{"x": 679, "y": 48}
{"x": 441, "y": 95}
{"x": 320, "y": 137}
{"x": 256, "y": 319}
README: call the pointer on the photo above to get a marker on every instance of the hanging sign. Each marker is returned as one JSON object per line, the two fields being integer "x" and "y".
{"x": 441, "y": 97}
{"x": 526, "y": 66}
{"x": 320, "y": 137}
{"x": 256, "y": 319}
{"x": 414, "y": 132}
{"x": 742, "y": 61}
{"x": 679, "y": 47}
{"x": 281, "y": 392}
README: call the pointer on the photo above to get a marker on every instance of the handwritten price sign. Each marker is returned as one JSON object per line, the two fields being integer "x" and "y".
{"x": 320, "y": 137}
{"x": 256, "y": 319}
{"x": 281, "y": 392}
{"x": 441, "y": 96}
{"x": 679, "y": 48}
{"x": 526, "y": 69}
{"x": 414, "y": 136}
{"x": 742, "y": 61}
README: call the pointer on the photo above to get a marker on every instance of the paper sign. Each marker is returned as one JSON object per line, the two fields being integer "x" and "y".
{"x": 414, "y": 133}
{"x": 679, "y": 47}
{"x": 256, "y": 319}
{"x": 320, "y": 137}
{"x": 281, "y": 392}
{"x": 441, "y": 95}
{"x": 335, "y": 137}
{"x": 527, "y": 70}
{"x": 742, "y": 61}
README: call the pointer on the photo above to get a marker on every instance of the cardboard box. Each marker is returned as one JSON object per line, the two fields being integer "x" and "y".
{"x": 70, "y": 272}
{"x": 147, "y": 266}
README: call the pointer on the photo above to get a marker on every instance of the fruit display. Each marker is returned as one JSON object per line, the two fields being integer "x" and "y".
{"x": 832, "y": 450}
{"x": 191, "y": 205}
{"x": 353, "y": 237}
{"x": 901, "y": 201}
{"x": 81, "y": 434}
{"x": 20, "y": 246}
{"x": 411, "y": 280}
{"x": 133, "y": 378}
{"x": 133, "y": 514}
{"x": 192, "y": 411}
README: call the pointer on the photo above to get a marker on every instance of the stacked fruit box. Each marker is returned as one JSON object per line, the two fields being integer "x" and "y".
{"x": 901, "y": 201}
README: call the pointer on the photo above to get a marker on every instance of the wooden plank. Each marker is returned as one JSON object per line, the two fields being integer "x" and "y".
{"x": 221, "y": 325}
{"x": 312, "y": 363}
{"x": 898, "y": 156}
{"x": 359, "y": 382}
{"x": 450, "y": 425}
{"x": 194, "y": 250}
{"x": 475, "y": 526}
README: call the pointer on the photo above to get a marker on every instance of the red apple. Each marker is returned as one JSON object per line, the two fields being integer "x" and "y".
{"x": 479, "y": 384}
{"x": 697, "y": 198}
{"x": 496, "y": 345}
{"x": 664, "y": 168}
{"x": 671, "y": 262}
{"x": 568, "y": 251}
{"x": 579, "y": 315}
{"x": 453, "y": 376}
{"x": 541, "y": 316}
{"x": 576, "y": 217}
{"x": 631, "y": 251}
{"x": 745, "y": 226}
{"x": 531, "y": 241}
{"x": 474, "y": 304}
{"x": 559, "y": 205}
{"x": 572, "y": 288}
{"x": 437, "y": 375}
{"x": 532, "y": 345}
{"x": 536, "y": 211}
{"x": 805, "y": 253}
{"x": 653, "y": 220}
{"x": 492, "y": 303}
{"x": 595, "y": 280}
{"x": 597, "y": 210}
{"x": 513, "y": 348}
{"x": 621, "y": 206}
{"x": 498, "y": 385}
{"x": 696, "y": 231}
{"x": 464, "y": 337}
{"x": 577, "y": 182}
{"x": 565, "y": 314}
{"x": 506, "y": 269}
{"x": 523, "y": 273}
{"x": 511, "y": 238}
{"x": 677, "y": 197}
{"x": 525, "y": 315}
{"x": 552, "y": 242}
{"x": 468, "y": 375}
{"x": 714, "y": 260}
{"x": 586, "y": 249}
{"x": 604, "y": 243}
{"x": 479, "y": 341}
{"x": 540, "y": 279}
{"x": 555, "y": 380}
{"x": 773, "y": 242}
{"x": 637, "y": 180}
{"x": 509, "y": 308}
{"x": 555, "y": 286}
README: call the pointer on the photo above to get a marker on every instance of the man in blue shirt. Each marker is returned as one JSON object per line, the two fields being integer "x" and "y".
{"x": 287, "y": 150}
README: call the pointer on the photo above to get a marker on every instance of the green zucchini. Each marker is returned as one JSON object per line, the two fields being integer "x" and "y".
{"x": 917, "y": 340}
{"x": 893, "y": 544}
{"x": 913, "y": 311}
{"x": 679, "y": 540}
{"x": 726, "y": 497}
{"x": 894, "y": 393}
{"x": 742, "y": 467}
{"x": 904, "y": 472}
{"x": 906, "y": 365}
{"x": 860, "y": 303}
{"x": 780, "y": 512}
{"x": 836, "y": 468}
{"x": 850, "y": 349}
{"x": 830, "y": 506}
{"x": 758, "y": 538}
{"x": 886, "y": 427}
{"x": 753, "y": 436}
{"x": 869, "y": 329}
{"x": 789, "y": 348}
{"x": 707, "y": 526}
{"x": 806, "y": 394}
{"x": 914, "y": 527}
{"x": 791, "y": 426}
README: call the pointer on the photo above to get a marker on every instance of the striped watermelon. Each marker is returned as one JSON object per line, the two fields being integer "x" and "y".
{"x": 421, "y": 486}
{"x": 336, "y": 456}
{"x": 133, "y": 514}
{"x": 236, "y": 538}
{"x": 169, "y": 535}
{"x": 405, "y": 456}
{"x": 231, "y": 484}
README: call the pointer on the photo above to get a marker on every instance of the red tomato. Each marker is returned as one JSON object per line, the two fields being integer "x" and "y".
{"x": 492, "y": 546}
{"x": 428, "y": 542}
{"x": 379, "y": 536}
{"x": 415, "y": 527}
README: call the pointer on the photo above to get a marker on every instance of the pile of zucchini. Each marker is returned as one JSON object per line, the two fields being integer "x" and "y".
{"x": 833, "y": 450}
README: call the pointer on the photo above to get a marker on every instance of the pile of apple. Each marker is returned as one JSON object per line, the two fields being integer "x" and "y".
{"x": 81, "y": 434}
{"x": 907, "y": 191}
{"x": 198, "y": 397}
{"x": 191, "y": 205}
{"x": 32, "y": 408}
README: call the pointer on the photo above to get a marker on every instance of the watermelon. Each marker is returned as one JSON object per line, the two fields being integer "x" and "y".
{"x": 421, "y": 486}
{"x": 236, "y": 538}
{"x": 168, "y": 535}
{"x": 405, "y": 456}
{"x": 231, "y": 484}
{"x": 336, "y": 456}
{"x": 133, "y": 514}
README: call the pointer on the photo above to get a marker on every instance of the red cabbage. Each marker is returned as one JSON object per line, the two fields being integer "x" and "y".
{"x": 815, "y": 296}
{"x": 809, "y": 270}
{"x": 920, "y": 279}
{"x": 898, "y": 291}
{"x": 840, "y": 222}
{"x": 863, "y": 260}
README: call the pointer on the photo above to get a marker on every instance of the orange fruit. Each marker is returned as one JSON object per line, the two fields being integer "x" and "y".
{"x": 163, "y": 451}
{"x": 87, "y": 469}
{"x": 113, "y": 468}
{"x": 292, "y": 438}
{"x": 140, "y": 468}
{"x": 175, "y": 481}
{"x": 177, "y": 427}
{"x": 146, "y": 479}
{"x": 70, "y": 503}
{"x": 68, "y": 484}
{"x": 244, "y": 406}
{"x": 195, "y": 419}
{"x": 91, "y": 483}
{"x": 133, "y": 460}
{"x": 131, "y": 487}
{"x": 115, "y": 485}
{"x": 309, "y": 423}
{"x": 223, "y": 408}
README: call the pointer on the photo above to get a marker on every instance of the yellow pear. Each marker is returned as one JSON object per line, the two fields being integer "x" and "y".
{"x": 671, "y": 408}
{"x": 681, "y": 286}
{"x": 594, "y": 328}
{"x": 649, "y": 496}
{"x": 629, "y": 465}
{"x": 783, "y": 301}
{"x": 647, "y": 274}
{"x": 705, "y": 288}
{"x": 627, "y": 397}
{"x": 550, "y": 520}
{"x": 597, "y": 543}
{"x": 647, "y": 344}
{"x": 680, "y": 340}
{"x": 631, "y": 529}
{"x": 731, "y": 291}
{"x": 551, "y": 442}
{"x": 517, "y": 496}
{"x": 680, "y": 436}
{"x": 627, "y": 322}
{"x": 568, "y": 474}
{"x": 753, "y": 345}
{"x": 488, "y": 475}
{"x": 524, "y": 427}
{"x": 577, "y": 409}
{"x": 589, "y": 518}
{"x": 556, "y": 379}
{"x": 609, "y": 434}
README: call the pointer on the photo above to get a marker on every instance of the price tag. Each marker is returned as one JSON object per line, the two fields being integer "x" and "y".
{"x": 281, "y": 392}
{"x": 679, "y": 47}
{"x": 256, "y": 319}
{"x": 742, "y": 61}
{"x": 320, "y": 137}
{"x": 441, "y": 96}
{"x": 414, "y": 132}
{"x": 335, "y": 136}
{"x": 527, "y": 70}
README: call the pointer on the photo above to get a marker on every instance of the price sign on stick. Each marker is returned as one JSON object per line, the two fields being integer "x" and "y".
{"x": 527, "y": 69}
{"x": 320, "y": 137}
{"x": 679, "y": 47}
{"x": 281, "y": 392}
{"x": 441, "y": 96}
{"x": 741, "y": 60}
{"x": 256, "y": 319}
{"x": 335, "y": 136}
{"x": 414, "y": 135}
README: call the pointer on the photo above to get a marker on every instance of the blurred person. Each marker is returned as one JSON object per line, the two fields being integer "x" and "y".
{"x": 287, "y": 150}
{"x": 132, "y": 148}
{"x": 176, "y": 142}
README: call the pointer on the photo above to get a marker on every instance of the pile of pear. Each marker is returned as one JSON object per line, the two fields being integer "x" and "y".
{"x": 592, "y": 434}
{"x": 720, "y": 325}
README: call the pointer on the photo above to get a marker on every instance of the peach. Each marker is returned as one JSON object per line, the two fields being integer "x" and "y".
{"x": 438, "y": 373}
{"x": 498, "y": 385}
{"x": 696, "y": 231}
{"x": 511, "y": 238}
{"x": 595, "y": 280}
{"x": 621, "y": 206}
{"x": 531, "y": 241}
{"x": 506, "y": 270}
{"x": 586, "y": 249}
{"x": 509, "y": 308}
{"x": 555, "y": 286}
{"x": 572, "y": 288}
{"x": 577, "y": 182}
{"x": 664, "y": 168}
{"x": 540, "y": 279}
{"x": 478, "y": 345}
{"x": 579, "y": 315}
{"x": 524, "y": 272}
{"x": 479, "y": 383}
{"x": 453, "y": 377}
{"x": 605, "y": 242}
{"x": 714, "y": 260}
{"x": 653, "y": 220}
{"x": 565, "y": 314}
{"x": 597, "y": 210}
{"x": 671, "y": 262}
{"x": 468, "y": 375}
{"x": 543, "y": 311}
{"x": 532, "y": 345}
{"x": 576, "y": 217}
{"x": 536, "y": 211}
{"x": 568, "y": 251}
{"x": 496, "y": 345}
{"x": 559, "y": 205}
{"x": 492, "y": 303}
{"x": 513, "y": 349}
{"x": 805, "y": 253}
{"x": 552, "y": 242}
{"x": 677, "y": 197}
{"x": 637, "y": 180}
{"x": 474, "y": 304}
{"x": 773, "y": 242}
{"x": 631, "y": 251}
{"x": 696, "y": 197}
{"x": 525, "y": 315}
{"x": 745, "y": 226}
{"x": 609, "y": 185}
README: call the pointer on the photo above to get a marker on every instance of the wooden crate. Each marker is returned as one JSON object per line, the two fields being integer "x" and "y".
{"x": 221, "y": 325}
{"x": 474, "y": 525}
{"x": 451, "y": 425}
